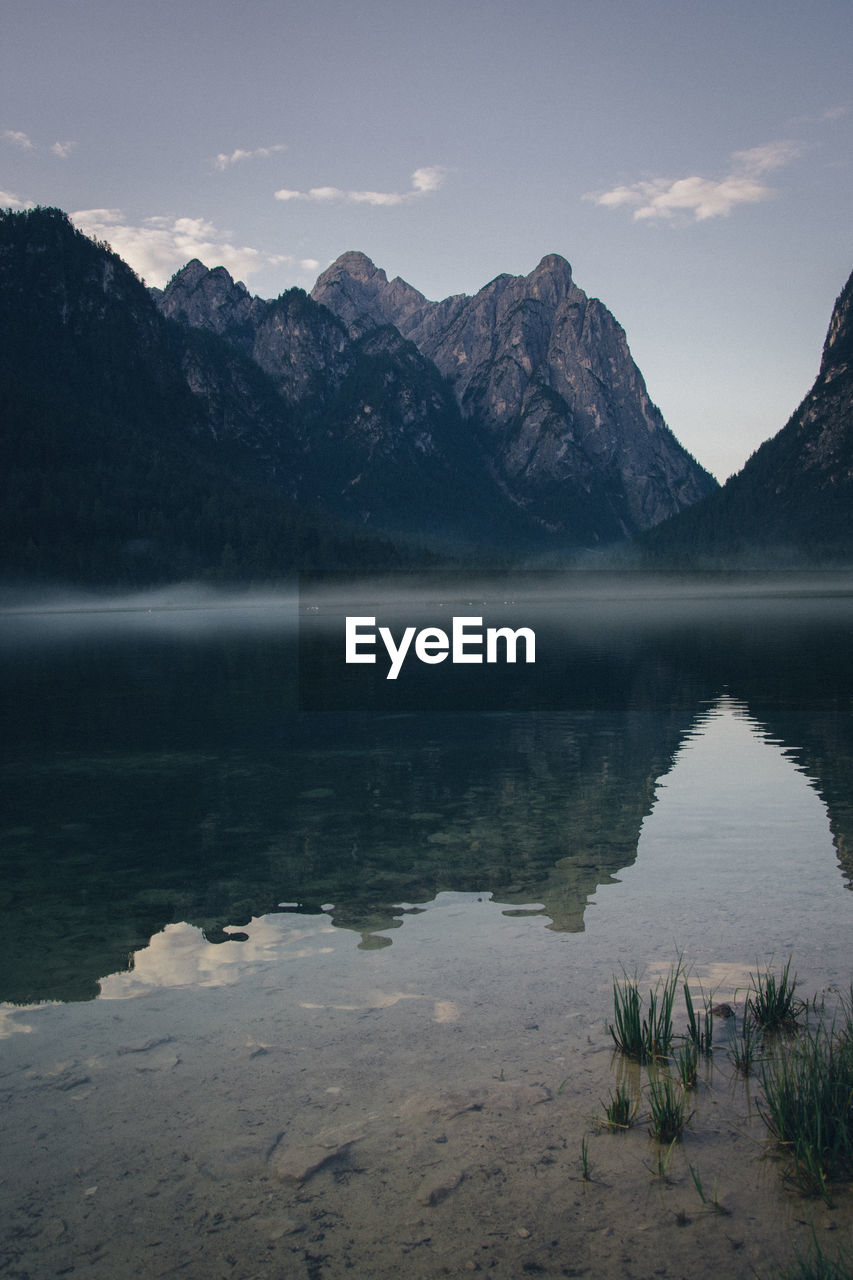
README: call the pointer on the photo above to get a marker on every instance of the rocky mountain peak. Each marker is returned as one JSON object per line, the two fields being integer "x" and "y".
{"x": 546, "y": 374}
{"x": 838, "y": 347}
{"x": 554, "y": 267}
{"x": 209, "y": 299}
{"x": 554, "y": 262}
{"x": 359, "y": 293}
{"x": 356, "y": 264}
{"x": 542, "y": 374}
{"x": 551, "y": 282}
{"x": 190, "y": 276}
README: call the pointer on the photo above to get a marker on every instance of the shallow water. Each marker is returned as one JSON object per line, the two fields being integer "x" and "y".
{"x": 271, "y": 939}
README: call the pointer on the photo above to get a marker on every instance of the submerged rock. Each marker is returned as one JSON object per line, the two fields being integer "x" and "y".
{"x": 301, "y": 1161}
{"x": 438, "y": 1188}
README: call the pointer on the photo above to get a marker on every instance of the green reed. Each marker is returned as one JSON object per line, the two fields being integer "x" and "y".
{"x": 772, "y": 1004}
{"x": 645, "y": 1037}
{"x": 621, "y": 1110}
{"x": 700, "y": 1028}
{"x": 666, "y": 1108}
{"x": 808, "y": 1101}
{"x": 687, "y": 1064}
{"x": 817, "y": 1266}
{"x": 744, "y": 1045}
{"x": 712, "y": 1203}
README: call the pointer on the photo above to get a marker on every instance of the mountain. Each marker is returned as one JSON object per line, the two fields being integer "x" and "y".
{"x": 792, "y": 502}
{"x": 377, "y": 436}
{"x": 198, "y": 430}
{"x": 514, "y": 419}
{"x": 131, "y": 449}
{"x": 546, "y": 384}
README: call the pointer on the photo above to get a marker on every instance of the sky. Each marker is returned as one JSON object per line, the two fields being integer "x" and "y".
{"x": 692, "y": 161}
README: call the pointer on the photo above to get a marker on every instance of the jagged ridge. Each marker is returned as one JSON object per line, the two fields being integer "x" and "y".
{"x": 514, "y": 421}
{"x": 545, "y": 375}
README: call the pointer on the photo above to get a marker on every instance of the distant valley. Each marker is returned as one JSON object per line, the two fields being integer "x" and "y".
{"x": 791, "y": 504}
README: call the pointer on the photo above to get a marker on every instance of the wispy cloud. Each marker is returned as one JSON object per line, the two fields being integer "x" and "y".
{"x": 8, "y": 201}
{"x": 225, "y": 161}
{"x": 423, "y": 182}
{"x": 159, "y": 246}
{"x": 24, "y": 142}
{"x": 829, "y": 116}
{"x": 18, "y": 139}
{"x": 661, "y": 199}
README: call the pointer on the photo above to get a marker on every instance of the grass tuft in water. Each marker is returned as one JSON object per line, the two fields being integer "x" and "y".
{"x": 700, "y": 1028}
{"x": 808, "y": 1102}
{"x": 666, "y": 1109}
{"x": 663, "y": 1162}
{"x": 772, "y": 1004}
{"x": 587, "y": 1177}
{"x": 645, "y": 1038}
{"x": 621, "y": 1109}
{"x": 817, "y": 1266}
{"x": 687, "y": 1063}
{"x": 714, "y": 1202}
{"x": 744, "y": 1045}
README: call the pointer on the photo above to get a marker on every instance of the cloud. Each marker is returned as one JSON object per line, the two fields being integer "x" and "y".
{"x": 25, "y": 143}
{"x": 772, "y": 155}
{"x": 8, "y": 201}
{"x": 702, "y": 198}
{"x": 224, "y": 161}
{"x": 424, "y": 181}
{"x": 18, "y": 139}
{"x": 838, "y": 112}
{"x": 159, "y": 246}
{"x": 430, "y": 178}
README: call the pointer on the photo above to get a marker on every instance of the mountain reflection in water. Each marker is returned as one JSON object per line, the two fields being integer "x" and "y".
{"x": 155, "y": 778}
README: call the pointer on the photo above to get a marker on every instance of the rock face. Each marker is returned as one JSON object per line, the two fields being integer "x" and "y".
{"x": 543, "y": 376}
{"x": 823, "y": 424}
{"x": 793, "y": 499}
{"x": 294, "y": 342}
{"x": 375, "y": 434}
{"x": 515, "y": 417}
{"x": 199, "y": 429}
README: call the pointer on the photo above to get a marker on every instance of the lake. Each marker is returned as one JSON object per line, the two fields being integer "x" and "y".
{"x": 304, "y": 971}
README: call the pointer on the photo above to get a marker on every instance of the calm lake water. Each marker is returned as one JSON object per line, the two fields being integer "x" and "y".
{"x": 182, "y": 826}
{"x": 157, "y": 768}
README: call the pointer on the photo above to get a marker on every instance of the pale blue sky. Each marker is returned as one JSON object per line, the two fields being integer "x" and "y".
{"x": 691, "y": 160}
